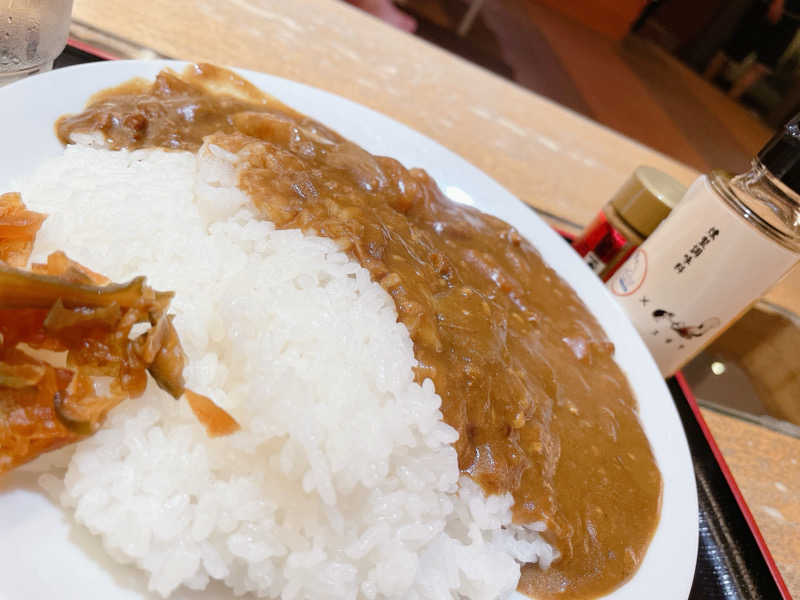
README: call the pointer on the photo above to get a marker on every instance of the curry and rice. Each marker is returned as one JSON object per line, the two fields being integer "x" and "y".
{"x": 330, "y": 303}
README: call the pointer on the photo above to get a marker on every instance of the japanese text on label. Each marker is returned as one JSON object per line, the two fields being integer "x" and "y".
{"x": 695, "y": 251}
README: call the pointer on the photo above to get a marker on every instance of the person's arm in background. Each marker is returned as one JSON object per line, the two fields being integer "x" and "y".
{"x": 775, "y": 11}
{"x": 387, "y": 11}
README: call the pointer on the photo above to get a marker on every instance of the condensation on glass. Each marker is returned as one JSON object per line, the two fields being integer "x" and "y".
{"x": 32, "y": 34}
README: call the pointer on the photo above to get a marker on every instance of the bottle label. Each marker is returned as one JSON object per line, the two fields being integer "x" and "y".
{"x": 695, "y": 274}
{"x": 595, "y": 263}
{"x": 632, "y": 275}
{"x": 603, "y": 247}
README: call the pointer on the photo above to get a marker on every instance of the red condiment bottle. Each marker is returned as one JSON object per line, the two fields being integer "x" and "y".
{"x": 625, "y": 221}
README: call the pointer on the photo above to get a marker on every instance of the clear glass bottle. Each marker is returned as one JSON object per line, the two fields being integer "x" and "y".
{"x": 723, "y": 246}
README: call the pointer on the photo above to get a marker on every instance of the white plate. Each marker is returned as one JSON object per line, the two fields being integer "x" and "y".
{"x": 43, "y": 556}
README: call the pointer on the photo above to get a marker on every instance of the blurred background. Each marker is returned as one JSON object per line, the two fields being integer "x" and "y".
{"x": 704, "y": 81}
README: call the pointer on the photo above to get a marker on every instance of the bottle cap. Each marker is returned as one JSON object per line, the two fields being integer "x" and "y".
{"x": 781, "y": 155}
{"x": 646, "y": 199}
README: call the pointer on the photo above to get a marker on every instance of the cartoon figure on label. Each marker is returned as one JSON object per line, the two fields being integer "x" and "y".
{"x": 687, "y": 332}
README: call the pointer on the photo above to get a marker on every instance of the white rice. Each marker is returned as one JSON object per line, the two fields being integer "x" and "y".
{"x": 342, "y": 482}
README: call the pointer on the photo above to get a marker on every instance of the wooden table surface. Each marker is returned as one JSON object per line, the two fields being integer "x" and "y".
{"x": 546, "y": 155}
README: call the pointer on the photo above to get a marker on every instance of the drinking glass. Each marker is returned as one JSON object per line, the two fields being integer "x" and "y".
{"x": 32, "y": 34}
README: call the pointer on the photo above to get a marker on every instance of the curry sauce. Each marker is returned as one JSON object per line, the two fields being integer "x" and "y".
{"x": 526, "y": 374}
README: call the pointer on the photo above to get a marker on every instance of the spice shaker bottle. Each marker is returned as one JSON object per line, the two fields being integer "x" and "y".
{"x": 722, "y": 247}
{"x": 626, "y": 220}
